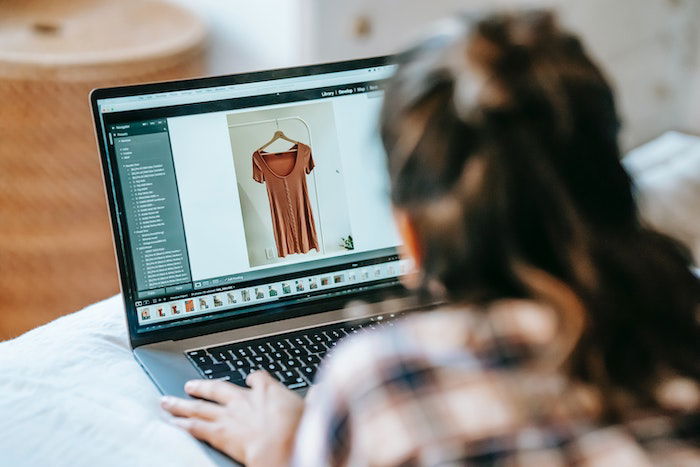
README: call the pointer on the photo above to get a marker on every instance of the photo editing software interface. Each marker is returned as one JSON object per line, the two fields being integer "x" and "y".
{"x": 235, "y": 198}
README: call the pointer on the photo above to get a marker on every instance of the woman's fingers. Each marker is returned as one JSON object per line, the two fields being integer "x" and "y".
{"x": 200, "y": 429}
{"x": 191, "y": 408}
{"x": 259, "y": 379}
{"x": 214, "y": 433}
{"x": 213, "y": 390}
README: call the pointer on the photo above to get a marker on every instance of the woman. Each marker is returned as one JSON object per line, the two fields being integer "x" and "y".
{"x": 571, "y": 334}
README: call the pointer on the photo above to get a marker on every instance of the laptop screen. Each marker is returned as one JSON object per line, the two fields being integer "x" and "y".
{"x": 233, "y": 199}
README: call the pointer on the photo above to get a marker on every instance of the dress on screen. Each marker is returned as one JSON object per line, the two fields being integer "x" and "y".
{"x": 284, "y": 174}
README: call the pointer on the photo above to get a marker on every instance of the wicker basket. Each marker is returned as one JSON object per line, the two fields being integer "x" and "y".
{"x": 56, "y": 250}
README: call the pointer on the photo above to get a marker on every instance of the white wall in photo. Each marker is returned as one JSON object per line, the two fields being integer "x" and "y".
{"x": 208, "y": 196}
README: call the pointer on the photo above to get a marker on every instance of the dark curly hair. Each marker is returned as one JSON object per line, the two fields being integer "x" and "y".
{"x": 502, "y": 143}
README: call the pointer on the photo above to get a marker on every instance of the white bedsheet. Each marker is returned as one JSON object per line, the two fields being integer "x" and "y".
{"x": 72, "y": 394}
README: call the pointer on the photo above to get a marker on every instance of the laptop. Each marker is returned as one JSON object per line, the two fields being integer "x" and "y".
{"x": 247, "y": 212}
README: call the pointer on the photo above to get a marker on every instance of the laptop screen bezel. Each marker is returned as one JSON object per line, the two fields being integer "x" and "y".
{"x": 112, "y": 193}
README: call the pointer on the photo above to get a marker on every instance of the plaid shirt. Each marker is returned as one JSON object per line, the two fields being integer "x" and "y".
{"x": 453, "y": 387}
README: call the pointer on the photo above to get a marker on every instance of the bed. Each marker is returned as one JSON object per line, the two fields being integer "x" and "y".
{"x": 71, "y": 393}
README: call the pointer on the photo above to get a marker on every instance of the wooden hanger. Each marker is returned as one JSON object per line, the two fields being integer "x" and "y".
{"x": 279, "y": 134}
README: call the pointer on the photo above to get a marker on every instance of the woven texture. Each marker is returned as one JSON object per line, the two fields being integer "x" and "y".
{"x": 56, "y": 251}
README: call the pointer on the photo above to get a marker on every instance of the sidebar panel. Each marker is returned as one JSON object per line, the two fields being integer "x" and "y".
{"x": 152, "y": 206}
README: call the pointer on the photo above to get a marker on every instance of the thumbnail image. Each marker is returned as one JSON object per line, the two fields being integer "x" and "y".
{"x": 337, "y": 279}
{"x": 391, "y": 270}
{"x": 325, "y": 280}
{"x": 352, "y": 276}
{"x": 271, "y": 291}
{"x": 175, "y": 308}
{"x": 245, "y": 294}
{"x": 259, "y": 294}
{"x": 313, "y": 284}
{"x": 300, "y": 286}
{"x": 218, "y": 301}
{"x": 377, "y": 271}
{"x": 364, "y": 275}
{"x": 286, "y": 288}
{"x": 189, "y": 306}
{"x": 402, "y": 268}
{"x": 161, "y": 311}
{"x": 231, "y": 298}
{"x": 203, "y": 305}
{"x": 145, "y": 314}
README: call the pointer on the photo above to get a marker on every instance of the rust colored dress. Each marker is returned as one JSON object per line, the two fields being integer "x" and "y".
{"x": 284, "y": 174}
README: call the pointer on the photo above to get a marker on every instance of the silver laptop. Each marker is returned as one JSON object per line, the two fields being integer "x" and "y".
{"x": 247, "y": 211}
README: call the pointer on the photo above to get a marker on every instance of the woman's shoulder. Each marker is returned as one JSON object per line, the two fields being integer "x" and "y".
{"x": 419, "y": 333}
{"x": 444, "y": 382}
{"x": 388, "y": 380}
{"x": 448, "y": 340}
{"x": 458, "y": 329}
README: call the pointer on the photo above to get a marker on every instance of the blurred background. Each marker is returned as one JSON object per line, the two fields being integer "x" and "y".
{"x": 55, "y": 242}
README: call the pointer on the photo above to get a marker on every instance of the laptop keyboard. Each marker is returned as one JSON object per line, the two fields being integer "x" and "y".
{"x": 293, "y": 358}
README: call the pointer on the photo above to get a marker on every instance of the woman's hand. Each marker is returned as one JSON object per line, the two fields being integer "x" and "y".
{"x": 255, "y": 426}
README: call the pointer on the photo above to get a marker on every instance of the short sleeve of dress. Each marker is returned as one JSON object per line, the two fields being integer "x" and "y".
{"x": 309, "y": 163}
{"x": 258, "y": 174}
